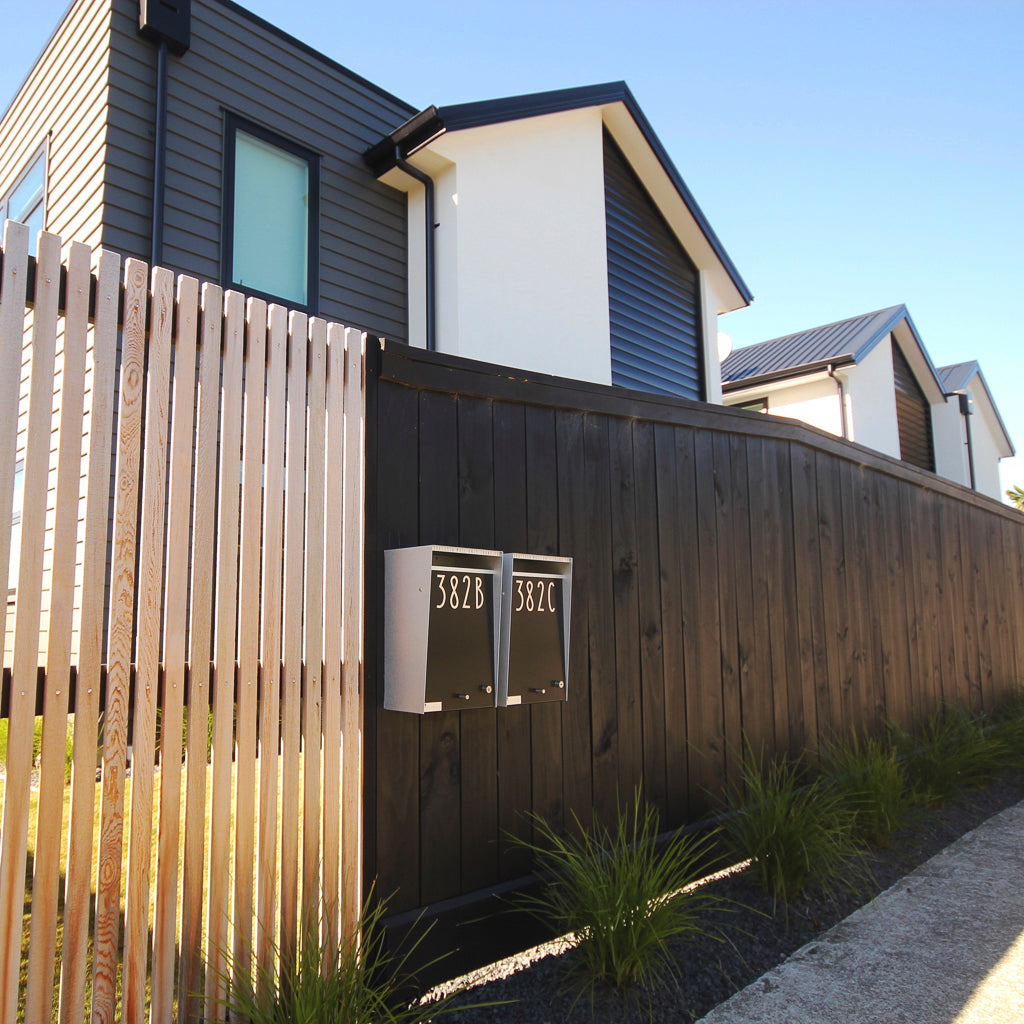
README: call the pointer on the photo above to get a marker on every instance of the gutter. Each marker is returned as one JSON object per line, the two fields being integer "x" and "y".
{"x": 965, "y": 411}
{"x": 156, "y": 252}
{"x": 428, "y": 203}
{"x": 168, "y": 24}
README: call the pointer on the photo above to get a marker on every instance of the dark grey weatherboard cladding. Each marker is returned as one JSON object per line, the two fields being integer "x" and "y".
{"x": 653, "y": 291}
{"x": 913, "y": 415}
{"x": 242, "y": 65}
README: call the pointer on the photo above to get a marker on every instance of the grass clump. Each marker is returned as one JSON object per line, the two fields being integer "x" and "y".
{"x": 951, "y": 751}
{"x": 869, "y": 777}
{"x": 794, "y": 830}
{"x": 624, "y": 896}
{"x": 360, "y": 983}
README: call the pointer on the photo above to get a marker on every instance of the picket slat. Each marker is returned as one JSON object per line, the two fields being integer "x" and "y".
{"x": 14, "y": 838}
{"x": 90, "y": 648}
{"x": 119, "y": 644}
{"x": 249, "y": 628}
{"x": 149, "y": 586}
{"x": 12, "y": 338}
{"x": 190, "y": 982}
{"x": 313, "y": 609}
{"x": 334, "y": 512}
{"x": 219, "y": 878}
{"x": 46, "y": 869}
{"x": 294, "y": 494}
{"x": 270, "y": 639}
{"x": 352, "y": 631}
{"x": 175, "y": 621}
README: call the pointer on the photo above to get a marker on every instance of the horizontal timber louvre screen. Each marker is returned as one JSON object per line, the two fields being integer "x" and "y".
{"x": 190, "y": 565}
{"x": 735, "y": 577}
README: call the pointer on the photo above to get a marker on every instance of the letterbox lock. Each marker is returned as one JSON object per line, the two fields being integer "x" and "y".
{"x": 560, "y": 683}
{"x": 487, "y": 689}
{"x": 461, "y": 696}
{"x": 538, "y": 689}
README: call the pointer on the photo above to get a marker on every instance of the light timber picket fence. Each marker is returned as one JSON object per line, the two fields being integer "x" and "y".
{"x": 206, "y": 485}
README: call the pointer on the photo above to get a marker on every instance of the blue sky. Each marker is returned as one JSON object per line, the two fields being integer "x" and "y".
{"x": 850, "y": 156}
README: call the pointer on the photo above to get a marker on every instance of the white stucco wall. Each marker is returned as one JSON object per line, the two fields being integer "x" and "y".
{"x": 520, "y": 214}
{"x": 950, "y": 442}
{"x": 872, "y": 402}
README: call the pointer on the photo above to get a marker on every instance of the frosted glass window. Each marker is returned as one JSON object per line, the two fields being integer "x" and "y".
{"x": 24, "y": 202}
{"x": 271, "y": 223}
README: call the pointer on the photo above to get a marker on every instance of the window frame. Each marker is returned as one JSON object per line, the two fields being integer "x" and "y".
{"x": 39, "y": 156}
{"x": 753, "y": 405}
{"x": 233, "y": 123}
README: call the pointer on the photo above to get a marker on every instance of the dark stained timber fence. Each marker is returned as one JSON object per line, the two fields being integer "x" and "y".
{"x": 736, "y": 577}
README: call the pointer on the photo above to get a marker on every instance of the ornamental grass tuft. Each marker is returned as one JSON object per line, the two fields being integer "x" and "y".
{"x": 953, "y": 750}
{"x": 795, "y": 831}
{"x": 624, "y": 895}
{"x": 360, "y": 983}
{"x": 867, "y": 774}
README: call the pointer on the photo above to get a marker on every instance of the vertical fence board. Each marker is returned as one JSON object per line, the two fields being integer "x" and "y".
{"x": 291, "y": 700}
{"x": 676, "y": 634}
{"x": 479, "y": 731}
{"x": 576, "y": 739}
{"x": 12, "y": 334}
{"x": 250, "y": 563}
{"x": 14, "y": 837}
{"x": 541, "y": 537}
{"x": 271, "y": 600}
{"x": 77, "y": 899}
{"x": 396, "y": 823}
{"x": 148, "y": 588}
{"x": 314, "y": 625}
{"x": 190, "y": 980}
{"x": 334, "y": 536}
{"x": 600, "y": 612}
{"x": 513, "y": 740}
{"x": 652, "y": 682}
{"x": 756, "y": 678}
{"x": 119, "y": 644}
{"x": 179, "y": 500}
{"x": 218, "y": 915}
{"x": 46, "y": 867}
{"x": 440, "y": 742}
{"x": 353, "y": 560}
{"x": 625, "y": 609}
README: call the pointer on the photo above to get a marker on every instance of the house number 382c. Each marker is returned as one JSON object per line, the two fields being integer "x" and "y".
{"x": 457, "y": 591}
{"x": 535, "y": 595}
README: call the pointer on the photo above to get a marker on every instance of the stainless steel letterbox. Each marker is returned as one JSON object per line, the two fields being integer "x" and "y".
{"x": 441, "y": 627}
{"x": 535, "y": 604}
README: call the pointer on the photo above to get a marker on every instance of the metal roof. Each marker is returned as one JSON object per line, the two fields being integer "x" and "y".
{"x": 838, "y": 344}
{"x": 957, "y": 376}
{"x": 428, "y": 124}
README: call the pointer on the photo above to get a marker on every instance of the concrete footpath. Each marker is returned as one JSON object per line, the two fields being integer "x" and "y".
{"x": 945, "y": 945}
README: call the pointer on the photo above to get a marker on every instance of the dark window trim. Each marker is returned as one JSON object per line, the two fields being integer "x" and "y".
{"x": 752, "y": 405}
{"x": 233, "y": 123}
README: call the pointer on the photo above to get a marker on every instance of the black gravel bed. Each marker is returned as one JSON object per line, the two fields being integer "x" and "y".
{"x": 749, "y": 938}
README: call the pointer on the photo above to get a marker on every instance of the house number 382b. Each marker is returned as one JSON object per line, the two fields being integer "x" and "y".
{"x": 535, "y": 595}
{"x": 459, "y": 591}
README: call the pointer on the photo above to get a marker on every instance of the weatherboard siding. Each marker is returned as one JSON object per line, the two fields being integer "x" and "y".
{"x": 61, "y": 104}
{"x": 653, "y": 291}
{"x": 237, "y": 64}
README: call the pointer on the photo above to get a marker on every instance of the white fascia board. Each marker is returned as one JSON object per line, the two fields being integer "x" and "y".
{"x": 659, "y": 186}
{"x": 739, "y": 395}
{"x": 912, "y": 348}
